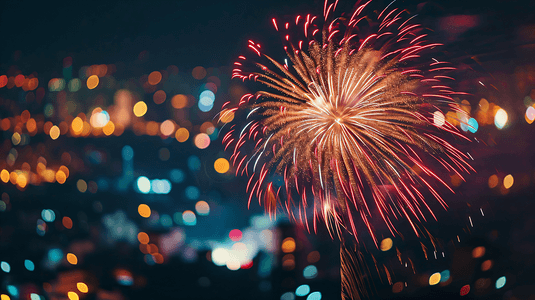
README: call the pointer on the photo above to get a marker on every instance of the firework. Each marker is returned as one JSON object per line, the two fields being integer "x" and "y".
{"x": 351, "y": 126}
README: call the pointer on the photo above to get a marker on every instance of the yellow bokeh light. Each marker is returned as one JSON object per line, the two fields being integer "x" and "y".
{"x": 140, "y": 109}
{"x": 72, "y": 259}
{"x": 82, "y": 287}
{"x": 143, "y": 238}
{"x": 493, "y": 181}
{"x": 77, "y": 125}
{"x": 144, "y": 210}
{"x": 54, "y": 132}
{"x": 16, "y": 138}
{"x": 434, "y": 279}
{"x": 4, "y": 297}
{"x": 508, "y": 181}
{"x": 227, "y": 116}
{"x": 22, "y": 181}
{"x": 4, "y": 175}
{"x": 109, "y": 128}
{"x": 288, "y": 245}
{"x": 92, "y": 82}
{"x": 73, "y": 296}
{"x": 386, "y": 244}
{"x": 61, "y": 177}
{"x": 182, "y": 135}
{"x": 221, "y": 165}
{"x": 87, "y": 129}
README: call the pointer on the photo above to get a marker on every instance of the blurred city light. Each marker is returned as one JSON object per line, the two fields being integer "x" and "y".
{"x": 500, "y": 282}
{"x": 302, "y": 290}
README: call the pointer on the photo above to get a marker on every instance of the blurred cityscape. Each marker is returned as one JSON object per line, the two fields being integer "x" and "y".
{"x": 115, "y": 185}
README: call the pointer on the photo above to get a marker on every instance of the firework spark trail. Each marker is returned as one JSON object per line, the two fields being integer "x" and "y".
{"x": 349, "y": 123}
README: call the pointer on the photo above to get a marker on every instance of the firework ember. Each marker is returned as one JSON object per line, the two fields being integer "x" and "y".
{"x": 348, "y": 129}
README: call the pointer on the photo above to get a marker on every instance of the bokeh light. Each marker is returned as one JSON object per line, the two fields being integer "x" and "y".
{"x": 206, "y": 100}
{"x": 302, "y": 290}
{"x": 314, "y": 296}
{"x": 288, "y": 296}
{"x": 159, "y": 97}
{"x": 486, "y": 265}
{"x": 144, "y": 210}
{"x": 220, "y": 256}
{"x": 508, "y": 181}
{"x": 177, "y": 175}
{"x": 167, "y": 127}
{"x": 493, "y": 181}
{"x": 140, "y": 109}
{"x": 434, "y": 278}
{"x": 310, "y": 272}
{"x": 54, "y": 132}
{"x": 235, "y": 235}
{"x": 192, "y": 192}
{"x": 198, "y": 73}
{"x": 202, "y": 140}
{"x": 179, "y": 101}
{"x": 473, "y": 126}
{"x": 221, "y": 165}
{"x": 143, "y": 238}
{"x": 5, "y": 267}
{"x": 189, "y": 218}
{"x": 444, "y": 275}
{"x": 313, "y": 257}
{"x": 478, "y": 252}
{"x": 143, "y": 185}
{"x": 92, "y": 82}
{"x": 500, "y": 118}
{"x": 67, "y": 222}
{"x": 29, "y": 265}
{"x": 500, "y": 282}
{"x": 82, "y": 287}
{"x": 386, "y": 244}
{"x": 465, "y": 290}
{"x": 530, "y": 114}
{"x": 438, "y": 118}
{"x": 288, "y": 245}
{"x": 73, "y": 296}
{"x": 155, "y": 78}
{"x": 72, "y": 259}
{"x": 48, "y": 215}
{"x": 227, "y": 116}
{"x": 202, "y": 208}
{"x": 182, "y": 135}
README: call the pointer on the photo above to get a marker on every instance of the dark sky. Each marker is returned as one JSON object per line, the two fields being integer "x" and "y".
{"x": 184, "y": 33}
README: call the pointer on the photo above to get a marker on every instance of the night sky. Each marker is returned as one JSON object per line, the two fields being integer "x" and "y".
{"x": 192, "y": 33}
{"x": 487, "y": 233}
